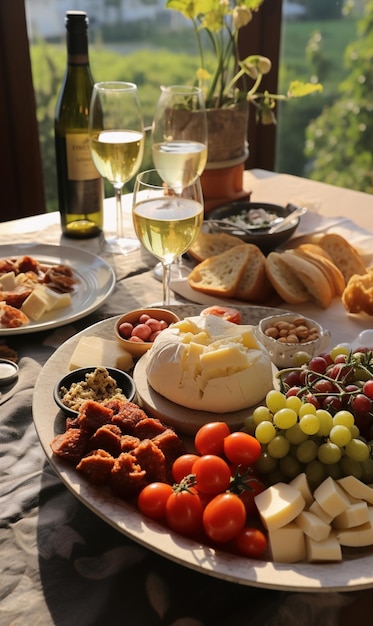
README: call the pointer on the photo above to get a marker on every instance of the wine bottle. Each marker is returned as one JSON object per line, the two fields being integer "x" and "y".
{"x": 80, "y": 186}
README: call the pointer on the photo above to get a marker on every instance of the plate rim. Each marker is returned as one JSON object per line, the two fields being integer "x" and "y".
{"x": 125, "y": 518}
{"x": 59, "y": 252}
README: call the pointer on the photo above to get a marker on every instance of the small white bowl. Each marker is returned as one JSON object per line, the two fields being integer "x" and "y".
{"x": 281, "y": 354}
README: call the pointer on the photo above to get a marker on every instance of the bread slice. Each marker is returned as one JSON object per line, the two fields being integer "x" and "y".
{"x": 254, "y": 285}
{"x": 284, "y": 280}
{"x": 211, "y": 244}
{"x": 343, "y": 255}
{"x": 220, "y": 275}
{"x": 331, "y": 272}
{"x": 311, "y": 276}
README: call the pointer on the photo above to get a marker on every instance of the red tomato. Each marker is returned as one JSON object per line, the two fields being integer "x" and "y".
{"x": 251, "y": 542}
{"x": 184, "y": 513}
{"x": 182, "y": 466}
{"x": 247, "y": 495}
{"x": 224, "y": 517}
{"x": 212, "y": 474}
{"x": 228, "y": 313}
{"x": 153, "y": 498}
{"x": 209, "y": 439}
{"x": 242, "y": 449}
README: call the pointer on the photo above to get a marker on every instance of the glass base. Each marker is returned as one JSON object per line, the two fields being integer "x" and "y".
{"x": 178, "y": 270}
{"x": 121, "y": 245}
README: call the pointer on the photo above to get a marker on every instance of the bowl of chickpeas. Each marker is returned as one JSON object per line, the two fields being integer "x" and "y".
{"x": 137, "y": 330}
{"x": 290, "y": 337}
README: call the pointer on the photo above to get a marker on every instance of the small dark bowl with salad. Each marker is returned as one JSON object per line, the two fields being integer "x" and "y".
{"x": 251, "y": 221}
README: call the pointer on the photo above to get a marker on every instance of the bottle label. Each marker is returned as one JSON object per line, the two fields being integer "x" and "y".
{"x": 79, "y": 161}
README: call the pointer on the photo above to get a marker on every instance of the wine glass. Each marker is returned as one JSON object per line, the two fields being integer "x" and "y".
{"x": 179, "y": 137}
{"x": 116, "y": 138}
{"x": 167, "y": 218}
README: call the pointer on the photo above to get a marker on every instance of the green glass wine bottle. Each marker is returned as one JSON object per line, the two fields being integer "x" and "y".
{"x": 80, "y": 187}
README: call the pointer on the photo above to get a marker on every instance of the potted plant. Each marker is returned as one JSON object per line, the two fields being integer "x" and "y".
{"x": 230, "y": 84}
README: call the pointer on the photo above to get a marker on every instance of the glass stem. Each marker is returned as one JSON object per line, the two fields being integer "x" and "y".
{"x": 118, "y": 209}
{"x": 166, "y": 275}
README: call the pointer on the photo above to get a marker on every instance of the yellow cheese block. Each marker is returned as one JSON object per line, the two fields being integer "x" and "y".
{"x": 35, "y": 305}
{"x": 98, "y": 351}
{"x": 331, "y": 497}
{"x": 313, "y": 526}
{"x": 8, "y": 281}
{"x": 355, "y": 515}
{"x": 279, "y": 505}
{"x": 287, "y": 544}
{"x": 317, "y": 510}
{"x": 356, "y": 488}
{"x": 300, "y": 482}
{"x": 327, "y": 550}
{"x": 358, "y": 536}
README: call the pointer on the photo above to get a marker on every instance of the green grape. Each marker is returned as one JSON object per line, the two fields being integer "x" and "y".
{"x": 307, "y": 451}
{"x": 345, "y": 418}
{"x": 249, "y": 425}
{"x": 340, "y": 435}
{"x": 337, "y": 350}
{"x": 275, "y": 400}
{"x": 262, "y": 414}
{"x": 315, "y": 472}
{"x": 367, "y": 467}
{"x": 301, "y": 358}
{"x": 266, "y": 464}
{"x": 307, "y": 408}
{"x": 309, "y": 423}
{"x": 278, "y": 447}
{"x": 355, "y": 432}
{"x": 295, "y": 435}
{"x": 265, "y": 431}
{"x": 293, "y": 402}
{"x": 334, "y": 470}
{"x": 290, "y": 467}
{"x": 357, "y": 450}
{"x": 285, "y": 418}
{"x": 275, "y": 477}
{"x": 350, "y": 467}
{"x": 326, "y": 422}
{"x": 329, "y": 453}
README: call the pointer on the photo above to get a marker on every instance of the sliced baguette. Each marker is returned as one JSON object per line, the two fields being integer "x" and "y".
{"x": 254, "y": 285}
{"x": 343, "y": 255}
{"x": 331, "y": 272}
{"x": 284, "y": 280}
{"x": 312, "y": 277}
{"x": 220, "y": 275}
{"x": 211, "y": 244}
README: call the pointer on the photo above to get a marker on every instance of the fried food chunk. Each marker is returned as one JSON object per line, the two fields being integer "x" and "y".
{"x": 358, "y": 294}
{"x": 127, "y": 477}
{"x": 92, "y": 415}
{"x": 96, "y": 466}
{"x": 108, "y": 438}
{"x": 148, "y": 428}
{"x": 151, "y": 459}
{"x": 70, "y": 445}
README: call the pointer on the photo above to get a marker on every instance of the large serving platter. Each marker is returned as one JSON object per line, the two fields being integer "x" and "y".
{"x": 353, "y": 573}
{"x": 96, "y": 281}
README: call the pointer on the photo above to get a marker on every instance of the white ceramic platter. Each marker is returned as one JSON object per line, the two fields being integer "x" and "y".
{"x": 353, "y": 573}
{"x": 96, "y": 281}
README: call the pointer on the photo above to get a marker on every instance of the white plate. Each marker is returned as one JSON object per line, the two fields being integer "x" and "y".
{"x": 96, "y": 283}
{"x": 353, "y": 573}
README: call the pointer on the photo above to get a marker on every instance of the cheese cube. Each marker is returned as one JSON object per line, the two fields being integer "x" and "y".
{"x": 35, "y": 305}
{"x": 98, "y": 351}
{"x": 358, "y": 536}
{"x": 356, "y": 488}
{"x": 56, "y": 300}
{"x": 331, "y": 497}
{"x": 287, "y": 544}
{"x": 279, "y": 505}
{"x": 300, "y": 482}
{"x": 8, "y": 281}
{"x": 355, "y": 515}
{"x": 317, "y": 510}
{"x": 327, "y": 550}
{"x": 313, "y": 526}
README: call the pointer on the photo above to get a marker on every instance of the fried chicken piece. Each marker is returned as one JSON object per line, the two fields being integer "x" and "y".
{"x": 92, "y": 415}
{"x": 70, "y": 445}
{"x": 96, "y": 466}
{"x": 152, "y": 460}
{"x": 127, "y": 477}
{"x": 128, "y": 443}
{"x": 28, "y": 264}
{"x": 172, "y": 447}
{"x": 148, "y": 428}
{"x": 108, "y": 438}
{"x": 10, "y": 317}
{"x": 127, "y": 415}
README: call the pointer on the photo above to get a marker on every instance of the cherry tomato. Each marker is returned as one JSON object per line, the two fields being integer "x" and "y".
{"x": 228, "y": 313}
{"x": 224, "y": 517}
{"x": 184, "y": 512}
{"x": 242, "y": 449}
{"x": 153, "y": 498}
{"x": 251, "y": 542}
{"x": 212, "y": 474}
{"x": 209, "y": 439}
{"x": 182, "y": 466}
{"x": 248, "y": 495}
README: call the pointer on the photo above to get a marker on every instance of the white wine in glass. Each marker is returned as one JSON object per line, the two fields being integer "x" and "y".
{"x": 116, "y": 135}
{"x": 179, "y": 135}
{"x": 167, "y": 220}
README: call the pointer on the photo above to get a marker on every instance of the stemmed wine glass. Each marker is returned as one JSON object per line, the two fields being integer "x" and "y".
{"x": 116, "y": 138}
{"x": 179, "y": 137}
{"x": 167, "y": 218}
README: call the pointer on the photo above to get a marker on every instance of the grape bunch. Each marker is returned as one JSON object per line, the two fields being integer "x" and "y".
{"x": 320, "y": 421}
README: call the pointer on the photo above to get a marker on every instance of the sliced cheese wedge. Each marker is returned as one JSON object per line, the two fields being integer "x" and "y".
{"x": 301, "y": 483}
{"x": 320, "y": 551}
{"x": 313, "y": 526}
{"x": 356, "y": 488}
{"x": 331, "y": 497}
{"x": 287, "y": 544}
{"x": 279, "y": 505}
{"x": 99, "y": 351}
{"x": 355, "y": 515}
{"x": 358, "y": 536}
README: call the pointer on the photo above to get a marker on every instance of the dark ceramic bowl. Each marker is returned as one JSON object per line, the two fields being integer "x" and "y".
{"x": 258, "y": 236}
{"x": 123, "y": 380}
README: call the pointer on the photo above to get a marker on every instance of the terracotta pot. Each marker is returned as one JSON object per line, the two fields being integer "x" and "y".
{"x": 227, "y": 132}
{"x": 223, "y": 183}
